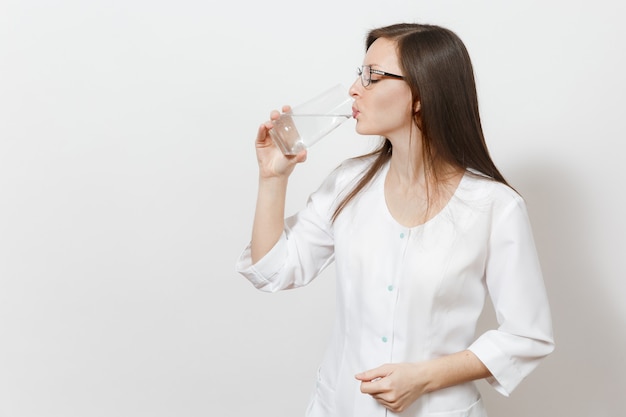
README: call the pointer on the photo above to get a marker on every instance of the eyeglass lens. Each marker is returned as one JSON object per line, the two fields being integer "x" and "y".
{"x": 366, "y": 75}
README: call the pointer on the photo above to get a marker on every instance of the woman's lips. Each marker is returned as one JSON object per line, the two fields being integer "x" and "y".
{"x": 355, "y": 113}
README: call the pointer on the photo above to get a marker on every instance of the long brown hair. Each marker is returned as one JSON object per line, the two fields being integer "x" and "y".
{"x": 438, "y": 70}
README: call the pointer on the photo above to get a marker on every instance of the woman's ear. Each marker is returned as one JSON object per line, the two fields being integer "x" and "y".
{"x": 418, "y": 107}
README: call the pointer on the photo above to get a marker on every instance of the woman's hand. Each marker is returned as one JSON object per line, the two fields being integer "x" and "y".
{"x": 274, "y": 171}
{"x": 396, "y": 386}
{"x": 272, "y": 162}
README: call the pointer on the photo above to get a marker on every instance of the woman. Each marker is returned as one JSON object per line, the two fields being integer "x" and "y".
{"x": 421, "y": 231}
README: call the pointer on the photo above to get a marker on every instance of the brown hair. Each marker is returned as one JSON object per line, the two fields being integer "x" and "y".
{"x": 438, "y": 70}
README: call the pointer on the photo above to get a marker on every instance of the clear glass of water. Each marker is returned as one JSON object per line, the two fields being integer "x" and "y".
{"x": 309, "y": 122}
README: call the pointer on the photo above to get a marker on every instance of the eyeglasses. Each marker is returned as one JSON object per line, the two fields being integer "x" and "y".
{"x": 366, "y": 71}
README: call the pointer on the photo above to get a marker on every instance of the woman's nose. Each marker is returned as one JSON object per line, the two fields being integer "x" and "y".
{"x": 354, "y": 88}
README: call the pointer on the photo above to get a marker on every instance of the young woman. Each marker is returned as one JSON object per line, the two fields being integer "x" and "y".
{"x": 421, "y": 231}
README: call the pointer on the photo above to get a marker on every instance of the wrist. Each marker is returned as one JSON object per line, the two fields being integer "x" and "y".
{"x": 278, "y": 182}
{"x": 427, "y": 375}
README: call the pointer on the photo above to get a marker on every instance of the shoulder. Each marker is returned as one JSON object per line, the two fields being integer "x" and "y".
{"x": 338, "y": 184}
{"x": 347, "y": 173}
{"x": 355, "y": 166}
{"x": 480, "y": 189}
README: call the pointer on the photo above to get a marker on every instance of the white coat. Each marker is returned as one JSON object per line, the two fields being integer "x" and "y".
{"x": 412, "y": 294}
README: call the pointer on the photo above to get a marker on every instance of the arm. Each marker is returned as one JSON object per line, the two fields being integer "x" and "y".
{"x": 396, "y": 386}
{"x": 274, "y": 171}
{"x": 515, "y": 283}
{"x": 301, "y": 246}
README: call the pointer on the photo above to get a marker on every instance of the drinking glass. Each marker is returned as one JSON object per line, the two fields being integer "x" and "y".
{"x": 309, "y": 122}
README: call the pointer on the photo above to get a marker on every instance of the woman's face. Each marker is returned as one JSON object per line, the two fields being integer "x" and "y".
{"x": 383, "y": 108}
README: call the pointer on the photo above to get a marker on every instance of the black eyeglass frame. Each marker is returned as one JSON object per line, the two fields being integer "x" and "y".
{"x": 366, "y": 82}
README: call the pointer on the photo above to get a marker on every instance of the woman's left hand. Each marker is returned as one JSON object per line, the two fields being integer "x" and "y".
{"x": 396, "y": 386}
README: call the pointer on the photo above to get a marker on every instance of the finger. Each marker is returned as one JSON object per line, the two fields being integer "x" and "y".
{"x": 286, "y": 108}
{"x": 393, "y": 407}
{"x": 377, "y": 385}
{"x": 383, "y": 401}
{"x": 371, "y": 388}
{"x": 372, "y": 374}
{"x": 301, "y": 156}
{"x": 261, "y": 135}
{"x": 274, "y": 115}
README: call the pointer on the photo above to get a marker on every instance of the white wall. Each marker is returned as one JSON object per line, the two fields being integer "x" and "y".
{"x": 128, "y": 180}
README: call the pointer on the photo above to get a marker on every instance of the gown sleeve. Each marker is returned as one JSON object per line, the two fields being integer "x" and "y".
{"x": 306, "y": 246}
{"x": 515, "y": 284}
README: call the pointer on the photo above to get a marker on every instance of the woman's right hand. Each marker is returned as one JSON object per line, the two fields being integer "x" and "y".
{"x": 272, "y": 162}
{"x": 274, "y": 171}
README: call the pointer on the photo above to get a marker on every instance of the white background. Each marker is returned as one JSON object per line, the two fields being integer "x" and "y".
{"x": 128, "y": 181}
